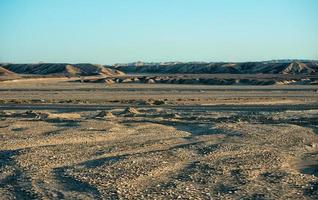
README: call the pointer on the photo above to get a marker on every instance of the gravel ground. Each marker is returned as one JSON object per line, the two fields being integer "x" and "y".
{"x": 158, "y": 153}
{"x": 167, "y": 151}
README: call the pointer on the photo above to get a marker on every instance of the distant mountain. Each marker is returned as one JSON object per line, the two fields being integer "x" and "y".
{"x": 61, "y": 69}
{"x": 266, "y": 67}
{"x": 85, "y": 69}
{"x": 290, "y": 60}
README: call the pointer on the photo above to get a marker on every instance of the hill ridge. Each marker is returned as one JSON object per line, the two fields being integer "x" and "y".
{"x": 267, "y": 67}
{"x": 67, "y": 69}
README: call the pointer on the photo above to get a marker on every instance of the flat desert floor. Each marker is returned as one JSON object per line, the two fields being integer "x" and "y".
{"x": 72, "y": 140}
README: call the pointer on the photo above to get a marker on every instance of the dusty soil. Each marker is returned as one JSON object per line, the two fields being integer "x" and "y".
{"x": 67, "y": 140}
{"x": 61, "y": 90}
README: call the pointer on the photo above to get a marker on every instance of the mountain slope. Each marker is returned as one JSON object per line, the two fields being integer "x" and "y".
{"x": 7, "y": 75}
{"x": 297, "y": 67}
{"x": 62, "y": 69}
{"x": 5, "y": 72}
{"x": 291, "y": 67}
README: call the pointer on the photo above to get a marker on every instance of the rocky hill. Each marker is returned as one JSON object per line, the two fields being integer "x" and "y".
{"x": 63, "y": 69}
{"x": 269, "y": 67}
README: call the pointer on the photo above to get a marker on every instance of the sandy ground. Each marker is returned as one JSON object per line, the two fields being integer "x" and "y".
{"x": 60, "y": 90}
{"x": 178, "y": 149}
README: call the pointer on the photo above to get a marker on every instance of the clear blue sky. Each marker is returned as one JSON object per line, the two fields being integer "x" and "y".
{"x": 111, "y": 31}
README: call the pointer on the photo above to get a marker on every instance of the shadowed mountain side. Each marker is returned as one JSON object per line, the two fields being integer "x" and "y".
{"x": 61, "y": 69}
{"x": 268, "y": 67}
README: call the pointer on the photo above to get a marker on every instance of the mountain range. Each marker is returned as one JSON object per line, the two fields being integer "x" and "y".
{"x": 266, "y": 67}
{"x": 296, "y": 67}
{"x": 59, "y": 69}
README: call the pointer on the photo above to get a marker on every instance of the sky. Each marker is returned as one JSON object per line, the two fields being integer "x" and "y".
{"x": 121, "y": 31}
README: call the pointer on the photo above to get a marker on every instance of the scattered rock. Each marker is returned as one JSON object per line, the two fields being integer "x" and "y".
{"x": 174, "y": 115}
{"x": 313, "y": 145}
{"x": 159, "y": 102}
{"x": 4, "y": 114}
{"x": 131, "y": 110}
{"x": 104, "y": 115}
{"x": 30, "y": 114}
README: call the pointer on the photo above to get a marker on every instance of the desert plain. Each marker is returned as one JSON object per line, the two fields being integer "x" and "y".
{"x": 74, "y": 138}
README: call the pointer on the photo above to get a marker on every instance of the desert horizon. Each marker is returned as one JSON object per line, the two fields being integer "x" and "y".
{"x": 158, "y": 100}
{"x": 179, "y": 131}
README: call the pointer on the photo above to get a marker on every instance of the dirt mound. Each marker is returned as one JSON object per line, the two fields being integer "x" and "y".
{"x": 67, "y": 69}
